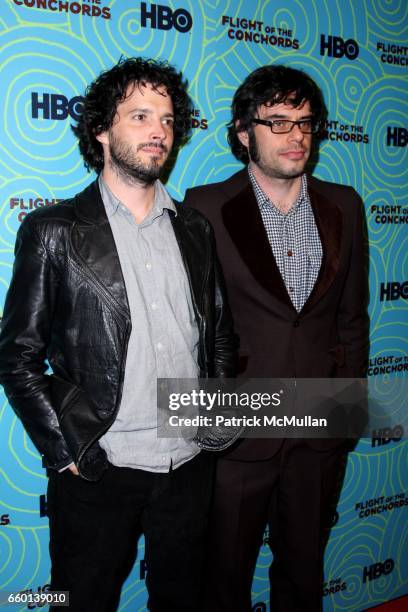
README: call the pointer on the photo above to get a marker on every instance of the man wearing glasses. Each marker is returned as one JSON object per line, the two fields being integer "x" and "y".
{"x": 293, "y": 250}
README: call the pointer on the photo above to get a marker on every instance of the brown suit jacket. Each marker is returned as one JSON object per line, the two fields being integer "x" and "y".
{"x": 329, "y": 337}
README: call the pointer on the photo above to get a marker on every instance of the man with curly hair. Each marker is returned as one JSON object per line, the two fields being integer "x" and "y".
{"x": 293, "y": 251}
{"x": 117, "y": 287}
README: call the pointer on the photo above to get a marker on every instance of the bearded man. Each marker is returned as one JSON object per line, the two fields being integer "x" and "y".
{"x": 116, "y": 287}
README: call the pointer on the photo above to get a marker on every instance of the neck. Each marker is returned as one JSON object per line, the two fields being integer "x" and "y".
{"x": 137, "y": 197}
{"x": 283, "y": 192}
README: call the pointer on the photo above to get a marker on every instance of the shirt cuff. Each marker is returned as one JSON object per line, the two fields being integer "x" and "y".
{"x": 66, "y": 467}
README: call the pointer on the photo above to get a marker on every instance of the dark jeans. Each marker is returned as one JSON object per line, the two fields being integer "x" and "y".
{"x": 94, "y": 528}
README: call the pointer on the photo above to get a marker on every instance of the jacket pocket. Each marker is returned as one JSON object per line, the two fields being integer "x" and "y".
{"x": 63, "y": 395}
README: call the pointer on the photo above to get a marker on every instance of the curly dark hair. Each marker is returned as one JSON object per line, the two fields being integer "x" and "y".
{"x": 270, "y": 85}
{"x": 104, "y": 94}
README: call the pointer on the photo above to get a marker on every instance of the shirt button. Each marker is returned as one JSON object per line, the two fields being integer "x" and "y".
{"x": 296, "y": 323}
{"x": 154, "y": 305}
{"x": 291, "y": 289}
{"x": 290, "y": 253}
{"x": 148, "y": 266}
{"x": 159, "y": 346}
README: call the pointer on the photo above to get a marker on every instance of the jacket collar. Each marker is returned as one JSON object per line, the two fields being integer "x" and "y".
{"x": 94, "y": 246}
{"x": 243, "y": 222}
{"x": 89, "y": 207}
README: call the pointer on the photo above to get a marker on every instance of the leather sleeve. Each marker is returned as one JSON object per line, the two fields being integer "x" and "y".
{"x": 353, "y": 321}
{"x": 225, "y": 340}
{"x": 24, "y": 339}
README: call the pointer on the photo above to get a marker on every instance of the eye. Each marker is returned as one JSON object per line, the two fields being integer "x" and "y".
{"x": 169, "y": 121}
{"x": 279, "y": 123}
{"x": 139, "y": 116}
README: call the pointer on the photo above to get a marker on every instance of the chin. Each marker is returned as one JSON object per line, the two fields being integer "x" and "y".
{"x": 284, "y": 174}
{"x": 293, "y": 172}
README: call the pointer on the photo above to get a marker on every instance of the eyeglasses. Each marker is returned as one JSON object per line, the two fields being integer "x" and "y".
{"x": 284, "y": 126}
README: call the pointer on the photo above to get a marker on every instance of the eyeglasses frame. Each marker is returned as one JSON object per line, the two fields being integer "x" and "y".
{"x": 269, "y": 123}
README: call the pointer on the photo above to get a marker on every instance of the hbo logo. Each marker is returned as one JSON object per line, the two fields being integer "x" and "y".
{"x": 372, "y": 572}
{"x": 397, "y": 137}
{"x": 337, "y": 47}
{"x": 380, "y": 437}
{"x": 163, "y": 18}
{"x": 394, "y": 291}
{"x": 56, "y": 106}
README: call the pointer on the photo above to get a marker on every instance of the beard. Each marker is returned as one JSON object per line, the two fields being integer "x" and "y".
{"x": 267, "y": 169}
{"x": 129, "y": 166}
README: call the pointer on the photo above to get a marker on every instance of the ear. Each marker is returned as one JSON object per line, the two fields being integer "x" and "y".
{"x": 103, "y": 138}
{"x": 242, "y": 136}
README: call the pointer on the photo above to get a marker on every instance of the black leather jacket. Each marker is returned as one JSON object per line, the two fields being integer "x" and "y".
{"x": 67, "y": 304}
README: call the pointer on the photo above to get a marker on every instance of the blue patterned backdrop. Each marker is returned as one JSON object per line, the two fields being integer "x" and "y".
{"x": 357, "y": 51}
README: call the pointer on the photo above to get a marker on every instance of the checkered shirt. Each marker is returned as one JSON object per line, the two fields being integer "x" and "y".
{"x": 294, "y": 241}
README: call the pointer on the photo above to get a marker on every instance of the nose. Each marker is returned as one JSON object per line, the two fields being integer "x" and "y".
{"x": 157, "y": 129}
{"x": 296, "y": 133}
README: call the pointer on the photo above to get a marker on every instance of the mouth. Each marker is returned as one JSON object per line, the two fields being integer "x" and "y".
{"x": 156, "y": 149}
{"x": 295, "y": 155}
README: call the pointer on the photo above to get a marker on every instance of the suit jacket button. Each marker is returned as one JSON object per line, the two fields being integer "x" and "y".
{"x": 296, "y": 323}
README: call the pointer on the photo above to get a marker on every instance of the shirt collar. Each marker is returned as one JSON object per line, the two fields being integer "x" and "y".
{"x": 263, "y": 199}
{"x": 112, "y": 204}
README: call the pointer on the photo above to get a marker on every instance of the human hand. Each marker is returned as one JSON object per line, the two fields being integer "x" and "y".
{"x": 73, "y": 468}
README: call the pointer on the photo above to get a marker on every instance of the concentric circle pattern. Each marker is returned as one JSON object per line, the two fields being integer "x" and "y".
{"x": 357, "y": 51}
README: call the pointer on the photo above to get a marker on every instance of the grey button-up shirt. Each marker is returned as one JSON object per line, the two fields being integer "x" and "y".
{"x": 164, "y": 338}
{"x": 294, "y": 240}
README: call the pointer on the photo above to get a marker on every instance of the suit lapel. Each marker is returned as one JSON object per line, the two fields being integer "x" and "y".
{"x": 94, "y": 246}
{"x": 243, "y": 221}
{"x": 329, "y": 221}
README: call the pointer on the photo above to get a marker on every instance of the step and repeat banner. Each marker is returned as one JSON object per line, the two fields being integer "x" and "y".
{"x": 357, "y": 51}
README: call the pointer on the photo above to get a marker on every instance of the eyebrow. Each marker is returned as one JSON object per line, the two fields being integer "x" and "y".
{"x": 147, "y": 111}
{"x": 283, "y": 116}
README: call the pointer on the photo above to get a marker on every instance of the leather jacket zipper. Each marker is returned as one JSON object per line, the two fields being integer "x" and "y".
{"x": 105, "y": 296}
